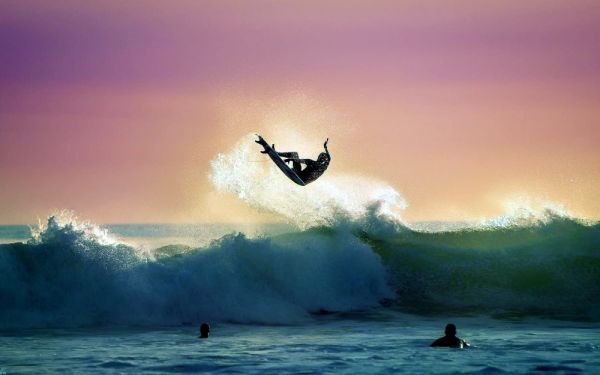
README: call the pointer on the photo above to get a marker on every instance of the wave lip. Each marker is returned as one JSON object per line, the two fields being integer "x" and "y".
{"x": 73, "y": 274}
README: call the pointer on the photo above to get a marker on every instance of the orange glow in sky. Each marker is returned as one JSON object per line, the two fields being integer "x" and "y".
{"x": 115, "y": 109}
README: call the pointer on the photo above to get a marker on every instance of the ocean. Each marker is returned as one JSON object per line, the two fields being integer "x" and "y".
{"x": 365, "y": 295}
{"x": 373, "y": 342}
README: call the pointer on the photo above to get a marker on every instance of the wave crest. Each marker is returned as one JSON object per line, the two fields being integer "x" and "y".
{"x": 69, "y": 276}
{"x": 335, "y": 198}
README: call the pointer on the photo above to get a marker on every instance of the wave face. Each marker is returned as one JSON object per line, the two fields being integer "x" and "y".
{"x": 548, "y": 268}
{"x": 74, "y": 274}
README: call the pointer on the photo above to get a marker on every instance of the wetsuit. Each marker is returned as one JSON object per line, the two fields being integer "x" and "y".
{"x": 450, "y": 341}
{"x": 314, "y": 168}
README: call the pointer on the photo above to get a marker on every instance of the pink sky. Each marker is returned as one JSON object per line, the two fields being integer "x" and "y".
{"x": 114, "y": 109}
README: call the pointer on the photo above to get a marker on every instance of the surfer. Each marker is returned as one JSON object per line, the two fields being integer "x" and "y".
{"x": 204, "y": 331}
{"x": 450, "y": 340}
{"x": 313, "y": 170}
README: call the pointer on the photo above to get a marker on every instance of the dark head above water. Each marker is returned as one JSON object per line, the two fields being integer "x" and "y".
{"x": 450, "y": 340}
{"x": 450, "y": 330}
{"x": 204, "y": 330}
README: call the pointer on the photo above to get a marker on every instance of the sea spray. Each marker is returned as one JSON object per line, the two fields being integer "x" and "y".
{"x": 67, "y": 276}
{"x": 351, "y": 252}
{"x": 537, "y": 259}
{"x": 335, "y": 197}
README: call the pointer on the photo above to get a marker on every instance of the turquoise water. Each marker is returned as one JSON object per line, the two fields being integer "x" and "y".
{"x": 355, "y": 297}
{"x": 376, "y": 342}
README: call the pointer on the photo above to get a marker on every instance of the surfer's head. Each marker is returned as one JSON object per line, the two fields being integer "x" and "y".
{"x": 204, "y": 330}
{"x": 324, "y": 158}
{"x": 450, "y": 330}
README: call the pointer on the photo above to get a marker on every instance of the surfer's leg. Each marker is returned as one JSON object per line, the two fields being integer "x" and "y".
{"x": 294, "y": 158}
{"x": 290, "y": 155}
{"x": 296, "y": 166}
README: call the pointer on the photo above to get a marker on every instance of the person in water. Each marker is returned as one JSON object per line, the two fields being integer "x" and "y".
{"x": 204, "y": 330}
{"x": 450, "y": 340}
{"x": 314, "y": 168}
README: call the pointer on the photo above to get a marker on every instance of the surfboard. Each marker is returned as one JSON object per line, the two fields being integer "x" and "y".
{"x": 289, "y": 172}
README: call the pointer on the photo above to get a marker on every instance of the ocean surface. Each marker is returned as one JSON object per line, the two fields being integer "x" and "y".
{"x": 374, "y": 342}
{"x": 366, "y": 295}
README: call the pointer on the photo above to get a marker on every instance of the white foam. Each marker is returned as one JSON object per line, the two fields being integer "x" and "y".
{"x": 333, "y": 197}
{"x": 526, "y": 211}
{"x": 67, "y": 277}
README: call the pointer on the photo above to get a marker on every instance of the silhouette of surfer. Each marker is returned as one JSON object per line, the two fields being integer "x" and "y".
{"x": 314, "y": 168}
{"x": 204, "y": 331}
{"x": 450, "y": 340}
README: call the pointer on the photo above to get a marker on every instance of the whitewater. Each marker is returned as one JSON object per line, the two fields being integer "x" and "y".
{"x": 345, "y": 286}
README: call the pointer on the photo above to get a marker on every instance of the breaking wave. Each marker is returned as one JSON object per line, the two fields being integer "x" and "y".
{"x": 75, "y": 274}
{"x": 350, "y": 252}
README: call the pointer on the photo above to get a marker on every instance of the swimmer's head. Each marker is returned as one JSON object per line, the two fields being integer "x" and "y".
{"x": 204, "y": 330}
{"x": 450, "y": 330}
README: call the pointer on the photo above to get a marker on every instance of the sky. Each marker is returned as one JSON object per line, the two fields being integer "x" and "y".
{"x": 115, "y": 109}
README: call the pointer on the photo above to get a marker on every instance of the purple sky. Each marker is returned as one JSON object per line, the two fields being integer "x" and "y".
{"x": 113, "y": 108}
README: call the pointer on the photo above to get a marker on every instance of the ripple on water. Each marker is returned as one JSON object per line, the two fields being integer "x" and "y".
{"x": 489, "y": 370}
{"x": 116, "y": 364}
{"x": 556, "y": 368}
{"x": 188, "y": 367}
